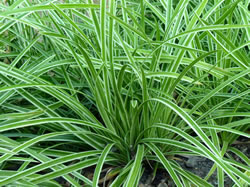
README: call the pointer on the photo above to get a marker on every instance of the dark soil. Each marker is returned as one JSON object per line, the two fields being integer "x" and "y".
{"x": 195, "y": 164}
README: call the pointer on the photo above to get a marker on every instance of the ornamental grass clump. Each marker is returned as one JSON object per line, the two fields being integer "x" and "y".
{"x": 122, "y": 85}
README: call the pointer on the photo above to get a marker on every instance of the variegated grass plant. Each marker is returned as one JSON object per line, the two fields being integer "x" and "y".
{"x": 122, "y": 85}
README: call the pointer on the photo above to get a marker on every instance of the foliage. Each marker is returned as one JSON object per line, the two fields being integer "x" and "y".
{"x": 122, "y": 84}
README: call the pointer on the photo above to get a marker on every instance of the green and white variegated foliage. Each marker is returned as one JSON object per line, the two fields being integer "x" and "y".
{"x": 120, "y": 84}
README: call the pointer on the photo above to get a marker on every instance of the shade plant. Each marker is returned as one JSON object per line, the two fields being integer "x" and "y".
{"x": 122, "y": 85}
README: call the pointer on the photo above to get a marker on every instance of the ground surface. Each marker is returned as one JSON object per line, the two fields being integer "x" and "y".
{"x": 197, "y": 165}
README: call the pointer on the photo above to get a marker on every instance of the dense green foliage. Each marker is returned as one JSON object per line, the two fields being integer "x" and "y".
{"x": 121, "y": 84}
